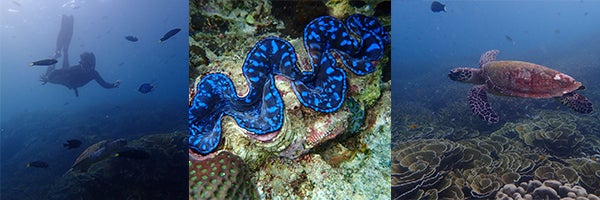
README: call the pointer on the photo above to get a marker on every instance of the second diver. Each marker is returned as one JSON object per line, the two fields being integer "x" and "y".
{"x": 75, "y": 76}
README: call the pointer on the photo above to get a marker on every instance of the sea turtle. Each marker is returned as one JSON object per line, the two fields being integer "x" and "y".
{"x": 517, "y": 79}
{"x": 95, "y": 153}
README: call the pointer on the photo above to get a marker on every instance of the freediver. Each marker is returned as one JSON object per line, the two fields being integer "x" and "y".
{"x": 75, "y": 76}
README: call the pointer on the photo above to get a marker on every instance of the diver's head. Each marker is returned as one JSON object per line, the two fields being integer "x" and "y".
{"x": 88, "y": 60}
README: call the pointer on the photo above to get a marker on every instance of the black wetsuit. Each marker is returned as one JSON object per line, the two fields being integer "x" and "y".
{"x": 76, "y": 76}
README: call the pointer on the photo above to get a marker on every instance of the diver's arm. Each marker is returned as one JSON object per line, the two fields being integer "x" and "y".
{"x": 103, "y": 83}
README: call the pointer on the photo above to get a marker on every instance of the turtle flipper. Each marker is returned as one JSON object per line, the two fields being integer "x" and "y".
{"x": 480, "y": 106}
{"x": 488, "y": 56}
{"x": 576, "y": 102}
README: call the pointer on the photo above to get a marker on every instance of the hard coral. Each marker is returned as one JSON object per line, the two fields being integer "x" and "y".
{"x": 553, "y": 131}
{"x": 550, "y": 189}
{"x": 220, "y": 175}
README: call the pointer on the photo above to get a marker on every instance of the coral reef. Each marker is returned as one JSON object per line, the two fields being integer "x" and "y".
{"x": 354, "y": 168}
{"x": 554, "y": 132}
{"x": 221, "y": 175}
{"x": 420, "y": 165}
{"x": 549, "y": 189}
{"x": 549, "y": 146}
{"x": 105, "y": 179}
{"x": 588, "y": 170}
{"x": 343, "y": 144}
{"x": 563, "y": 174}
{"x": 425, "y": 168}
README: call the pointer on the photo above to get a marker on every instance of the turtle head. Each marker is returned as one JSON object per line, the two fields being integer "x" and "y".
{"x": 461, "y": 74}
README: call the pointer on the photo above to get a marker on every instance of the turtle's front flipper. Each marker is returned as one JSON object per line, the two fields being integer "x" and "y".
{"x": 576, "y": 102}
{"x": 480, "y": 106}
{"x": 487, "y": 57}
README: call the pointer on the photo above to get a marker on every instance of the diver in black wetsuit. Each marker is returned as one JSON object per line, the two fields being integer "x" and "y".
{"x": 73, "y": 76}
{"x": 78, "y": 75}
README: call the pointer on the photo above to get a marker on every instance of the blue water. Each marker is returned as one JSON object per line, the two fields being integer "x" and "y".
{"x": 37, "y": 119}
{"x": 426, "y": 45}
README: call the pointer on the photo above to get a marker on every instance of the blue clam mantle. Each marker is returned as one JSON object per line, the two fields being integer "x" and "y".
{"x": 323, "y": 89}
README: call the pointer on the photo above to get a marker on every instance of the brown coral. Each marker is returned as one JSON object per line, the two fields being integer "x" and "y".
{"x": 417, "y": 165}
{"x": 553, "y": 131}
{"x": 485, "y": 185}
{"x": 589, "y": 172}
{"x": 220, "y": 175}
{"x": 439, "y": 168}
{"x": 549, "y": 189}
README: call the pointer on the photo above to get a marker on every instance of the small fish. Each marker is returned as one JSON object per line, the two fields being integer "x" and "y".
{"x": 71, "y": 144}
{"x": 131, "y": 38}
{"x": 520, "y": 129}
{"x": 413, "y": 126}
{"x": 16, "y": 3}
{"x": 38, "y": 164}
{"x": 146, "y": 88}
{"x": 133, "y": 154}
{"x": 169, "y": 34}
{"x": 494, "y": 155}
{"x": 508, "y": 38}
{"x": 559, "y": 160}
{"x": 437, "y": 7}
{"x": 44, "y": 62}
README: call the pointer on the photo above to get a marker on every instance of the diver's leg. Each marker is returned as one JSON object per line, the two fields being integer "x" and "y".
{"x": 76, "y": 92}
{"x": 62, "y": 44}
{"x": 60, "y": 39}
{"x": 64, "y": 39}
{"x": 67, "y": 40}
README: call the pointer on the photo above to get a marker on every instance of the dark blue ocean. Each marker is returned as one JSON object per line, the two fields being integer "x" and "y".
{"x": 429, "y": 108}
{"x": 37, "y": 119}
